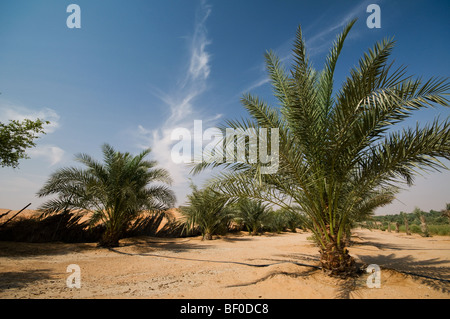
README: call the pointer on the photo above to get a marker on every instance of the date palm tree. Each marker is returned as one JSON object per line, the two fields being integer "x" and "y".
{"x": 423, "y": 221}
{"x": 207, "y": 210}
{"x": 404, "y": 216}
{"x": 252, "y": 214}
{"x": 340, "y": 156}
{"x": 114, "y": 192}
{"x": 446, "y": 211}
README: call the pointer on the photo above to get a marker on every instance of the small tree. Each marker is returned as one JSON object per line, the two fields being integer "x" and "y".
{"x": 114, "y": 192}
{"x": 339, "y": 152}
{"x": 423, "y": 223}
{"x": 252, "y": 214}
{"x": 207, "y": 210}
{"x": 446, "y": 211}
{"x": 405, "y": 220}
{"x": 277, "y": 221}
{"x": 294, "y": 218}
{"x": 16, "y": 137}
{"x": 397, "y": 227}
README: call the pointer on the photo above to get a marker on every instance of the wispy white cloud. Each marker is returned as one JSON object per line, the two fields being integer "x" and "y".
{"x": 317, "y": 42}
{"x": 258, "y": 83}
{"x": 181, "y": 101}
{"x": 51, "y": 153}
{"x": 199, "y": 67}
{"x": 9, "y": 111}
{"x": 321, "y": 40}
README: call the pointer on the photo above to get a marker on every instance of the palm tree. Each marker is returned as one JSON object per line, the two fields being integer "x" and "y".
{"x": 446, "y": 211}
{"x": 339, "y": 157}
{"x": 423, "y": 221}
{"x": 405, "y": 220}
{"x": 208, "y": 210}
{"x": 293, "y": 218}
{"x": 277, "y": 221}
{"x": 114, "y": 192}
{"x": 252, "y": 214}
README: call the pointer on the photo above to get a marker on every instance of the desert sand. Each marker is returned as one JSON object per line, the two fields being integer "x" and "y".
{"x": 232, "y": 266}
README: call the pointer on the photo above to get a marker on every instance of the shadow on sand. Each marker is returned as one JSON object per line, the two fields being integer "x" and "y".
{"x": 21, "y": 279}
{"x": 25, "y": 250}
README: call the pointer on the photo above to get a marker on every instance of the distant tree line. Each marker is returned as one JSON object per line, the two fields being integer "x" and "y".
{"x": 418, "y": 222}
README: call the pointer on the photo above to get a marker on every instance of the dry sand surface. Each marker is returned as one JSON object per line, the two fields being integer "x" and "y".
{"x": 234, "y": 266}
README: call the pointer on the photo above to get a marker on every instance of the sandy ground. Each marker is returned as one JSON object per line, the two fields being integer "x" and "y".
{"x": 234, "y": 266}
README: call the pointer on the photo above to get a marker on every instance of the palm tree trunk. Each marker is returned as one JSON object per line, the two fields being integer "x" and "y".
{"x": 207, "y": 236}
{"x": 407, "y": 227}
{"x": 109, "y": 239}
{"x": 112, "y": 234}
{"x": 334, "y": 257}
{"x": 336, "y": 261}
{"x": 423, "y": 226}
{"x": 397, "y": 227}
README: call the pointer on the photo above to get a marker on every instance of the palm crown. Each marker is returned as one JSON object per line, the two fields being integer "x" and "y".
{"x": 208, "y": 210}
{"x": 114, "y": 191}
{"x": 339, "y": 158}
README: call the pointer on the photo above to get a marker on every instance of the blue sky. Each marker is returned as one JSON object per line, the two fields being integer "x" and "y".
{"x": 136, "y": 70}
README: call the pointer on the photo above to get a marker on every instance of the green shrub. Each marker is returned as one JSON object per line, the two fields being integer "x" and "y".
{"x": 441, "y": 230}
{"x": 415, "y": 229}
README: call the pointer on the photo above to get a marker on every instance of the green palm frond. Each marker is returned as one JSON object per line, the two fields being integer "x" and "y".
{"x": 339, "y": 155}
{"x": 113, "y": 192}
{"x": 208, "y": 210}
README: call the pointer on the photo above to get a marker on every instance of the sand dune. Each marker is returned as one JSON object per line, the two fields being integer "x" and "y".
{"x": 235, "y": 266}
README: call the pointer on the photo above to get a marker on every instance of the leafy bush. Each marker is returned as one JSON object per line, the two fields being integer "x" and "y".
{"x": 415, "y": 229}
{"x": 441, "y": 230}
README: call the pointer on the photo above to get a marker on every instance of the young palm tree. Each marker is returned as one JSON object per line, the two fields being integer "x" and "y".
{"x": 423, "y": 221}
{"x": 339, "y": 157}
{"x": 207, "y": 210}
{"x": 284, "y": 219}
{"x": 405, "y": 220}
{"x": 252, "y": 214}
{"x": 277, "y": 221}
{"x": 115, "y": 191}
{"x": 446, "y": 211}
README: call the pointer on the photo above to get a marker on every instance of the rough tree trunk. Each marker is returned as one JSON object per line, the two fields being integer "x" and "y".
{"x": 109, "y": 239}
{"x": 207, "y": 236}
{"x": 407, "y": 226}
{"x": 423, "y": 226}
{"x": 397, "y": 227}
{"x": 336, "y": 261}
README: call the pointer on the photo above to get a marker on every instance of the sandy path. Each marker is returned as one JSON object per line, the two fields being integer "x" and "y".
{"x": 236, "y": 266}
